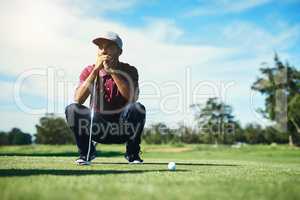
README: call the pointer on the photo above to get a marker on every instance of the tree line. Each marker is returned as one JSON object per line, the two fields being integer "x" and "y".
{"x": 15, "y": 137}
{"x": 50, "y": 130}
{"x": 216, "y": 123}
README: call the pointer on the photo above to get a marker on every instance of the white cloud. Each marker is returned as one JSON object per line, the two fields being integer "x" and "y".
{"x": 162, "y": 29}
{"x": 100, "y": 7}
{"x": 252, "y": 38}
{"x": 219, "y": 7}
{"x": 6, "y": 93}
{"x": 36, "y": 35}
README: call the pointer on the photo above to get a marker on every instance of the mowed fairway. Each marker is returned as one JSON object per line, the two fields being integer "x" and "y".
{"x": 203, "y": 172}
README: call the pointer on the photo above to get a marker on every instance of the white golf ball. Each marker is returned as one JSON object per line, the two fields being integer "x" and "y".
{"x": 172, "y": 166}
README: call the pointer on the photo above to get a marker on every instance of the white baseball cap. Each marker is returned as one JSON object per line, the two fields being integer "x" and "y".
{"x": 109, "y": 36}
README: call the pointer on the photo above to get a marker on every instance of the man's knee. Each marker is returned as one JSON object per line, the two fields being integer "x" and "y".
{"x": 69, "y": 108}
{"x": 135, "y": 116}
{"x": 136, "y": 108}
{"x": 73, "y": 110}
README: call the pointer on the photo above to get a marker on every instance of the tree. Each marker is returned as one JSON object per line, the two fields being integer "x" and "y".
{"x": 280, "y": 84}
{"x": 187, "y": 135}
{"x": 215, "y": 119}
{"x": 254, "y": 134}
{"x": 17, "y": 137}
{"x": 160, "y": 133}
{"x": 272, "y": 135}
{"x": 4, "y": 138}
{"x": 239, "y": 134}
{"x": 53, "y": 130}
{"x": 152, "y": 136}
{"x": 294, "y": 112}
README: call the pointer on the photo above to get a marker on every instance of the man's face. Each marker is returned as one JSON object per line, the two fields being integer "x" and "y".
{"x": 109, "y": 48}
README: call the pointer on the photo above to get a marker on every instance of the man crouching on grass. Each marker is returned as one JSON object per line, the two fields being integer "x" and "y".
{"x": 118, "y": 118}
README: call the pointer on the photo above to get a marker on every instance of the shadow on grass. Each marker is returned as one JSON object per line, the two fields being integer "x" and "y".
{"x": 65, "y": 172}
{"x": 65, "y": 154}
{"x": 165, "y": 163}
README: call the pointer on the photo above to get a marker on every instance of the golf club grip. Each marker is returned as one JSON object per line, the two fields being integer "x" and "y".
{"x": 94, "y": 96}
{"x": 96, "y": 79}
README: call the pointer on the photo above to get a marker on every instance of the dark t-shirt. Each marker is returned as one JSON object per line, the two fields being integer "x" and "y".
{"x": 109, "y": 99}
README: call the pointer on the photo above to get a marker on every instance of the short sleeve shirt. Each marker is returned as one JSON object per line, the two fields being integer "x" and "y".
{"x": 108, "y": 99}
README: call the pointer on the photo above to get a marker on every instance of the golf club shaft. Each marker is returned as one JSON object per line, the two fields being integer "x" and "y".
{"x": 94, "y": 98}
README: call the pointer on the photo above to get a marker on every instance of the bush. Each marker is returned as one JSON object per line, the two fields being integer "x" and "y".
{"x": 53, "y": 130}
{"x": 4, "y": 138}
{"x": 151, "y": 137}
{"x": 15, "y": 137}
{"x": 253, "y": 134}
{"x": 274, "y": 136}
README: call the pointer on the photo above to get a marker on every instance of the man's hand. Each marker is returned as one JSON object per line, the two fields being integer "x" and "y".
{"x": 110, "y": 65}
{"x": 83, "y": 91}
{"x": 100, "y": 62}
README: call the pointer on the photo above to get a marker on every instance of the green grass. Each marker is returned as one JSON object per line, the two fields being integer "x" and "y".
{"x": 203, "y": 172}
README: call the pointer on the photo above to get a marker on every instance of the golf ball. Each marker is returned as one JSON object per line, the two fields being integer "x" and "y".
{"x": 172, "y": 166}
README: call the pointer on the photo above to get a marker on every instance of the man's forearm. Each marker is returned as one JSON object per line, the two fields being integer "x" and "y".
{"x": 83, "y": 91}
{"x": 123, "y": 87}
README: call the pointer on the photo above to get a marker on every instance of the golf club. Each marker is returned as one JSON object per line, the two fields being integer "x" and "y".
{"x": 94, "y": 99}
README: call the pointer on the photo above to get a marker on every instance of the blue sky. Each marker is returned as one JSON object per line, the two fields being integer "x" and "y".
{"x": 176, "y": 46}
